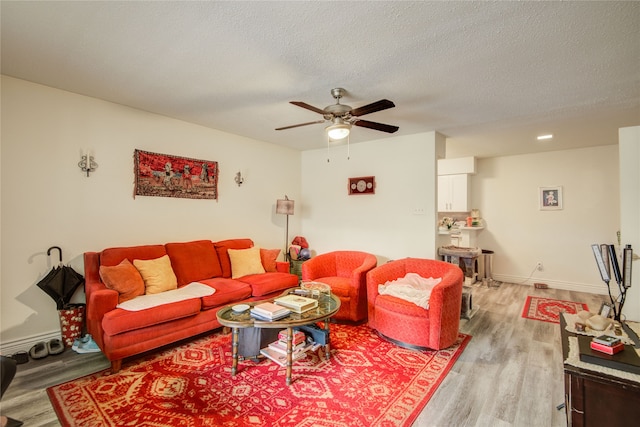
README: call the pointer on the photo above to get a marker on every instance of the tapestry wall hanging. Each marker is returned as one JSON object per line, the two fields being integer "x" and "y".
{"x": 165, "y": 175}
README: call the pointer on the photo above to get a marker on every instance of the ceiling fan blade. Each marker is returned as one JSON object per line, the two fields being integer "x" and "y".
{"x": 301, "y": 124}
{"x": 383, "y": 104}
{"x": 376, "y": 126}
{"x": 307, "y": 106}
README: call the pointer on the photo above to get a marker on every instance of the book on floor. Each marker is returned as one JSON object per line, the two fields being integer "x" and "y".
{"x": 297, "y": 303}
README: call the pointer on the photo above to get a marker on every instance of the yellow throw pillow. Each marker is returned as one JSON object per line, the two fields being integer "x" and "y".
{"x": 157, "y": 274}
{"x": 245, "y": 262}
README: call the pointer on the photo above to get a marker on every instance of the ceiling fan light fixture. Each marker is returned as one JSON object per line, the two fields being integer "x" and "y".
{"x": 339, "y": 129}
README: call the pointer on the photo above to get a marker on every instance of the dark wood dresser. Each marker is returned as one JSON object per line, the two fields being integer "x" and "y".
{"x": 596, "y": 399}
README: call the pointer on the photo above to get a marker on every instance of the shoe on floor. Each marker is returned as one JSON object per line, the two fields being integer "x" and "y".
{"x": 55, "y": 346}
{"x": 20, "y": 357}
{"x": 86, "y": 344}
{"x": 79, "y": 342}
{"x": 39, "y": 351}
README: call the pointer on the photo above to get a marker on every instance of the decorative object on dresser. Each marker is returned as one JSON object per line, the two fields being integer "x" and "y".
{"x": 367, "y": 382}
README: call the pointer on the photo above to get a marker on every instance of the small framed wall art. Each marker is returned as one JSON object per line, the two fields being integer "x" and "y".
{"x": 362, "y": 185}
{"x": 550, "y": 198}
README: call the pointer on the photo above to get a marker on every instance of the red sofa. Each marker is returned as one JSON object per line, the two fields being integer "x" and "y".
{"x": 120, "y": 333}
{"x": 404, "y": 322}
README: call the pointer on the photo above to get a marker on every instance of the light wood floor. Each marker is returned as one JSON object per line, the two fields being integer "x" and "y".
{"x": 510, "y": 374}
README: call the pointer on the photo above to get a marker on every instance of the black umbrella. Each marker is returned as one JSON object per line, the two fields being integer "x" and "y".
{"x": 61, "y": 282}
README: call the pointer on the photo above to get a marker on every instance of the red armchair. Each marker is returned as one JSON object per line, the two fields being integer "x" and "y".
{"x": 345, "y": 272}
{"x": 407, "y": 324}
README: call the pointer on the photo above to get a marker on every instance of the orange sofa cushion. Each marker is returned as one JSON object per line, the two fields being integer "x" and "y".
{"x": 266, "y": 283}
{"x": 227, "y": 291}
{"x": 124, "y": 278}
{"x": 194, "y": 261}
{"x": 114, "y": 256}
{"x": 223, "y": 246}
{"x": 268, "y": 258}
{"x": 118, "y": 321}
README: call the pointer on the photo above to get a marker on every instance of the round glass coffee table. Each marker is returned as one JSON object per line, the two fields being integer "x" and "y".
{"x": 328, "y": 305}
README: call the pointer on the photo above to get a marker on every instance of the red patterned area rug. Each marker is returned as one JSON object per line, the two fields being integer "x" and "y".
{"x": 366, "y": 382}
{"x": 548, "y": 309}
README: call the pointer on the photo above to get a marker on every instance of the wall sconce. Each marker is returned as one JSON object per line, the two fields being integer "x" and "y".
{"x": 239, "y": 179}
{"x": 285, "y": 207}
{"x": 87, "y": 164}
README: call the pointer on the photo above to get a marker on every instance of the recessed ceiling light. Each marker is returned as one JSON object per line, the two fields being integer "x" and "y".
{"x": 545, "y": 137}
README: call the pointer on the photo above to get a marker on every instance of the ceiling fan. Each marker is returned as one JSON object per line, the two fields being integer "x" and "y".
{"x": 342, "y": 116}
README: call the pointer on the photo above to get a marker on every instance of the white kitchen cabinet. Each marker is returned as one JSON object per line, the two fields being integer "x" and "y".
{"x": 453, "y": 193}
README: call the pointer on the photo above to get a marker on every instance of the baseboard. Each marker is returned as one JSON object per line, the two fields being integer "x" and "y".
{"x": 8, "y": 348}
{"x": 599, "y": 289}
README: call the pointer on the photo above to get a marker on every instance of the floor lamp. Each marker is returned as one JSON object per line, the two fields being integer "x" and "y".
{"x": 285, "y": 207}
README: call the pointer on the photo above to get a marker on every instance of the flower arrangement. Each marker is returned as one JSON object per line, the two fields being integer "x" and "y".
{"x": 447, "y": 222}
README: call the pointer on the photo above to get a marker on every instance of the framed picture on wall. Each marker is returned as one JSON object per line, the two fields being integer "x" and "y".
{"x": 362, "y": 185}
{"x": 550, "y": 198}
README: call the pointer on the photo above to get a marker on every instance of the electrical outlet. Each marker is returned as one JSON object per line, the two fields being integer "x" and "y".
{"x": 539, "y": 266}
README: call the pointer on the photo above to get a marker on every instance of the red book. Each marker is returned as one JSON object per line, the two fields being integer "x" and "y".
{"x": 606, "y": 348}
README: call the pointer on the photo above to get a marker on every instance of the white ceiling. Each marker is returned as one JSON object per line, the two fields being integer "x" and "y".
{"x": 490, "y": 76}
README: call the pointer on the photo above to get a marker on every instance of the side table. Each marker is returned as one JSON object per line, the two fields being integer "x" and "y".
{"x": 594, "y": 398}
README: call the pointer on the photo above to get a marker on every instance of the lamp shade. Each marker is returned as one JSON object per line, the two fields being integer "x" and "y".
{"x": 284, "y": 206}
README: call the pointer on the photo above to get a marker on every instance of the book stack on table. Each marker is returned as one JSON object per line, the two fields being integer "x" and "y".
{"x": 277, "y": 350}
{"x": 607, "y": 344}
{"x": 269, "y": 311}
{"x": 297, "y": 303}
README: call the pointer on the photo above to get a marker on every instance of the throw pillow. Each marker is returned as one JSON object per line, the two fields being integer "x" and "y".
{"x": 157, "y": 274}
{"x": 268, "y": 258}
{"x": 123, "y": 278}
{"x": 245, "y": 262}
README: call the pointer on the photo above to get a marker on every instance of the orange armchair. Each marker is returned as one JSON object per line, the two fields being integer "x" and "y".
{"x": 407, "y": 324}
{"x": 345, "y": 272}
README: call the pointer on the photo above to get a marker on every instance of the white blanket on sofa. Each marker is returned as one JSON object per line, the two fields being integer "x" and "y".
{"x": 190, "y": 291}
{"x": 412, "y": 287}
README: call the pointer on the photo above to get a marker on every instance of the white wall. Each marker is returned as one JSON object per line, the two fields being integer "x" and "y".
{"x": 47, "y": 200}
{"x": 630, "y": 211}
{"x": 386, "y": 223}
{"x": 505, "y": 189}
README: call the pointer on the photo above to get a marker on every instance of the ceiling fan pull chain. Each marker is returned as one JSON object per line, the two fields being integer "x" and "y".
{"x": 348, "y": 148}
{"x": 328, "y": 140}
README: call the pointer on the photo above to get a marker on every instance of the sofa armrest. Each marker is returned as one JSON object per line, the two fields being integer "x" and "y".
{"x": 282, "y": 267}
{"x": 444, "y": 309}
{"x": 100, "y": 300}
{"x": 378, "y": 276}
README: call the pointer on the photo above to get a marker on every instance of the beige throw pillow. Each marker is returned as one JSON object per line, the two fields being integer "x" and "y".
{"x": 245, "y": 262}
{"x": 157, "y": 274}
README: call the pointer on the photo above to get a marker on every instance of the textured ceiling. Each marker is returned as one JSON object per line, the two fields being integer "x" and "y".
{"x": 490, "y": 76}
